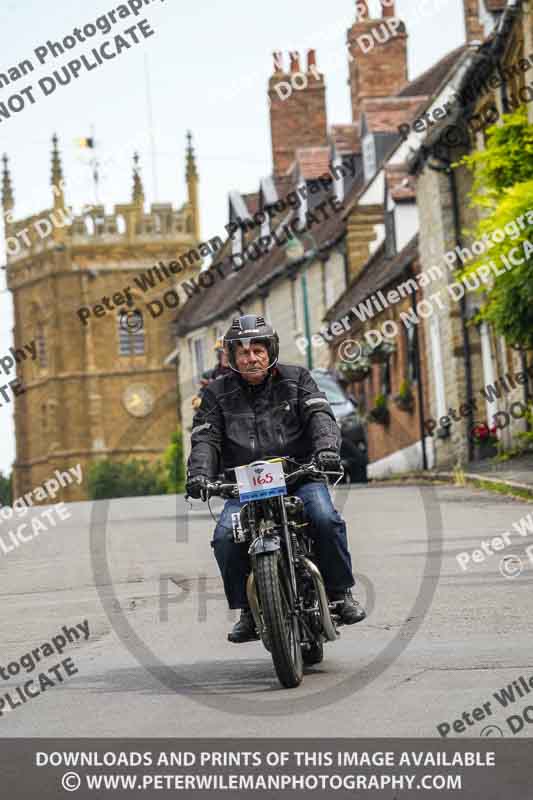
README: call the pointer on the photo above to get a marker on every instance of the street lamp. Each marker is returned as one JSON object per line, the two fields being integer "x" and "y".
{"x": 295, "y": 251}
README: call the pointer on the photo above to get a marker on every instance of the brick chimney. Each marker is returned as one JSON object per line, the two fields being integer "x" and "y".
{"x": 378, "y": 55}
{"x": 474, "y": 28}
{"x": 297, "y": 109}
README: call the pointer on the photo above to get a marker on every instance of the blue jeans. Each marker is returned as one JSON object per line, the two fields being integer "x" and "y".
{"x": 328, "y": 531}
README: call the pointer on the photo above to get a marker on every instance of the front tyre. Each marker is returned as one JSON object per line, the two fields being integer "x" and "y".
{"x": 281, "y": 626}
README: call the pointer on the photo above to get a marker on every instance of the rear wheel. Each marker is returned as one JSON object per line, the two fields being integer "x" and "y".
{"x": 281, "y": 625}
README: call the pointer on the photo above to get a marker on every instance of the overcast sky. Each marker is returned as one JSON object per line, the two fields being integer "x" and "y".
{"x": 209, "y": 63}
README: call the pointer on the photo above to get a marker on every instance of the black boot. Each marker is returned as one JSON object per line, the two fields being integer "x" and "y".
{"x": 348, "y": 609}
{"x": 244, "y": 629}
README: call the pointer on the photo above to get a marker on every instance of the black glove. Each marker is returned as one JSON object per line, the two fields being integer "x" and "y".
{"x": 328, "y": 460}
{"x": 197, "y": 487}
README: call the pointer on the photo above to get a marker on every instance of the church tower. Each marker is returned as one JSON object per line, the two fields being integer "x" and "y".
{"x": 100, "y": 383}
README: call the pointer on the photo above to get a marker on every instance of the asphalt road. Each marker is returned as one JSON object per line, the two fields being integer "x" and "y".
{"x": 437, "y": 642}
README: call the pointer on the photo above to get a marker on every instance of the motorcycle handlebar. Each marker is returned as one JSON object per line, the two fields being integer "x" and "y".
{"x": 219, "y": 489}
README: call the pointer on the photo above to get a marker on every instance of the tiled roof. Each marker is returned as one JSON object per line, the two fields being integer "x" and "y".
{"x": 384, "y": 115}
{"x": 226, "y": 294}
{"x": 377, "y": 273}
{"x": 430, "y": 80}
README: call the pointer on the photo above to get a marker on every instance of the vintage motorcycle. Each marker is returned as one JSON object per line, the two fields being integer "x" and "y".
{"x": 285, "y": 589}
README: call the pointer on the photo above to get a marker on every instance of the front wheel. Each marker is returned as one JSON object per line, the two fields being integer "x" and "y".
{"x": 281, "y": 625}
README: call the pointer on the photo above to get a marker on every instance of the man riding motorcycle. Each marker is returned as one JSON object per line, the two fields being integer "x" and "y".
{"x": 262, "y": 410}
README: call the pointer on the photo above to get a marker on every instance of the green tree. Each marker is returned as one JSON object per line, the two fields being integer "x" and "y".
{"x": 174, "y": 464}
{"x": 6, "y": 491}
{"x": 503, "y": 191}
{"x": 136, "y": 478}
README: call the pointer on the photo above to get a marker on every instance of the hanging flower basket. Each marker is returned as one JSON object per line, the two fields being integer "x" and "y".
{"x": 354, "y": 371}
{"x": 380, "y": 413}
{"x": 380, "y": 354}
{"x": 405, "y": 399}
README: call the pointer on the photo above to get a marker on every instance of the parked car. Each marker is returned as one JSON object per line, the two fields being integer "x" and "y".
{"x": 354, "y": 444}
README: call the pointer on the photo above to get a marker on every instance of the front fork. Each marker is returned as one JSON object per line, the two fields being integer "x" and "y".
{"x": 269, "y": 544}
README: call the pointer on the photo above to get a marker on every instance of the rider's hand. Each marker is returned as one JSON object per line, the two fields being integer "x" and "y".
{"x": 328, "y": 460}
{"x": 197, "y": 487}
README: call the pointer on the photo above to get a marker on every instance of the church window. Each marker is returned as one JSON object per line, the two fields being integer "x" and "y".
{"x": 131, "y": 340}
{"x": 40, "y": 340}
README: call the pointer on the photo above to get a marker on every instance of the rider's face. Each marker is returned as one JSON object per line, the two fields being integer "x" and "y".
{"x": 252, "y": 362}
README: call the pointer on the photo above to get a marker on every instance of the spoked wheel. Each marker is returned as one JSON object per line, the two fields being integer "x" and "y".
{"x": 282, "y": 627}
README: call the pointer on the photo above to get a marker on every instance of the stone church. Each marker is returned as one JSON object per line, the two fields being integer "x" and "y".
{"x": 105, "y": 386}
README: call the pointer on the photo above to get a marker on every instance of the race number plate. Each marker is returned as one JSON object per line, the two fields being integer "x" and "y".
{"x": 260, "y": 479}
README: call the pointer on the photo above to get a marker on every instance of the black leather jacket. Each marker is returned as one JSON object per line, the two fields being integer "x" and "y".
{"x": 238, "y": 423}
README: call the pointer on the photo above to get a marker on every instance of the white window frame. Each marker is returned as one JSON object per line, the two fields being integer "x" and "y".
{"x": 369, "y": 156}
{"x": 198, "y": 340}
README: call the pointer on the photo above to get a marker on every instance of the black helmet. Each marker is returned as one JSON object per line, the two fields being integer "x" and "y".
{"x": 248, "y": 330}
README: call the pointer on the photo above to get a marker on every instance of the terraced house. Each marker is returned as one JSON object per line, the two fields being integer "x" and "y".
{"x": 423, "y": 366}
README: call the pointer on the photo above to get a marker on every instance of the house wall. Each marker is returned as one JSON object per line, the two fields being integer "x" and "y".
{"x": 491, "y": 358}
{"x": 443, "y": 331}
{"x": 399, "y": 442}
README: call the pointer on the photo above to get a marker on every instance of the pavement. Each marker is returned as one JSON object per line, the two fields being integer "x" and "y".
{"x": 439, "y": 641}
{"x": 517, "y": 470}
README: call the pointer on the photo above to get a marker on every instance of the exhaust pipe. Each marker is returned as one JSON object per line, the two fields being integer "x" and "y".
{"x": 327, "y": 623}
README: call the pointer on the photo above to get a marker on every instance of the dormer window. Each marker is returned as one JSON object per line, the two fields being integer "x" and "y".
{"x": 338, "y": 183}
{"x": 369, "y": 156}
{"x": 302, "y": 210}
{"x": 236, "y": 242}
{"x": 263, "y": 214}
